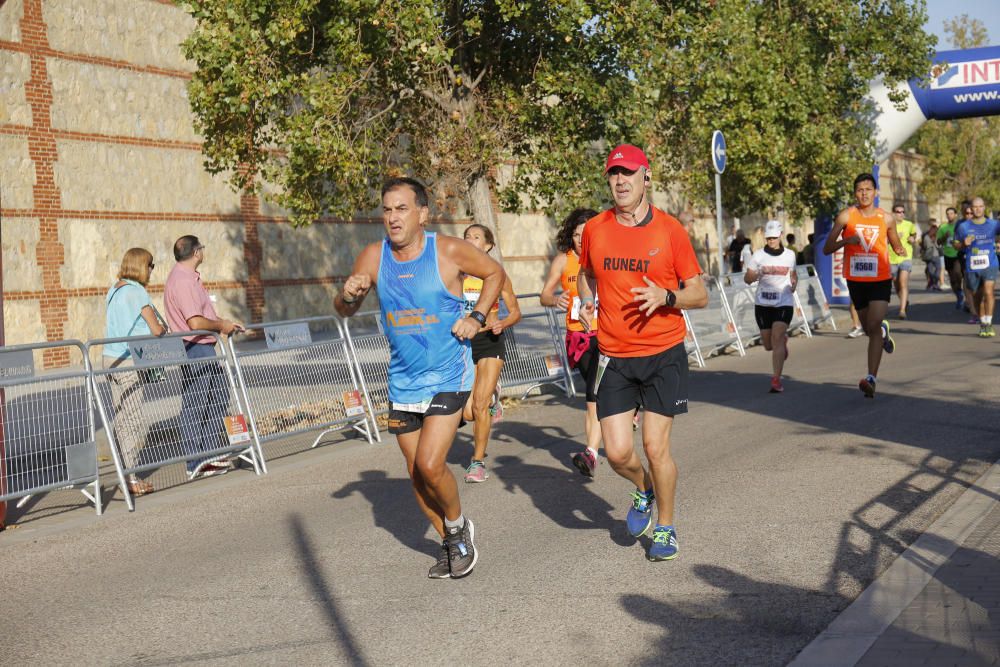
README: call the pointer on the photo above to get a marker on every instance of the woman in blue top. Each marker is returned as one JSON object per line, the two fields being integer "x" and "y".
{"x": 130, "y": 313}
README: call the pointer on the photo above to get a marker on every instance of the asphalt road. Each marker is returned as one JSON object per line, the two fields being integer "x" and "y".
{"x": 789, "y": 505}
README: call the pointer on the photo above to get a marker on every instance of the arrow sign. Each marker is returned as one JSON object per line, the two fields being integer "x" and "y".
{"x": 718, "y": 151}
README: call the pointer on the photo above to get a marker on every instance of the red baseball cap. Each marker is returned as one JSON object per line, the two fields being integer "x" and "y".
{"x": 628, "y": 156}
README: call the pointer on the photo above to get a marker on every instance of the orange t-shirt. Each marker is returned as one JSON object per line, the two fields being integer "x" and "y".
{"x": 867, "y": 261}
{"x": 619, "y": 257}
{"x": 568, "y": 282}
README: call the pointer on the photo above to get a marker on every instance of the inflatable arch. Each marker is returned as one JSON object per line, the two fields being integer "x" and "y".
{"x": 965, "y": 84}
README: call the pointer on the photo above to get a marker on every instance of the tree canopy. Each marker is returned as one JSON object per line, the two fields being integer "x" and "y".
{"x": 324, "y": 99}
{"x": 962, "y": 156}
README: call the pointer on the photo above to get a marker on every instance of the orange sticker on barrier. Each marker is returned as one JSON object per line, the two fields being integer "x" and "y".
{"x": 553, "y": 364}
{"x": 352, "y": 403}
{"x": 236, "y": 429}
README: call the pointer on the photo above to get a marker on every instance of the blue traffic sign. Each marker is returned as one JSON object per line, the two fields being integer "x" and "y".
{"x": 718, "y": 151}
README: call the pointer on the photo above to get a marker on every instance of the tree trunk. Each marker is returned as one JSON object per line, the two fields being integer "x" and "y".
{"x": 480, "y": 202}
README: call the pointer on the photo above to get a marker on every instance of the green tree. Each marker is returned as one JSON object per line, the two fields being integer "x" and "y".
{"x": 786, "y": 82}
{"x": 962, "y": 156}
{"x": 323, "y": 99}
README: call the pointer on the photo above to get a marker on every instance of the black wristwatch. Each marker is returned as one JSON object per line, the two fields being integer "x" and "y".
{"x": 479, "y": 317}
{"x": 670, "y": 299}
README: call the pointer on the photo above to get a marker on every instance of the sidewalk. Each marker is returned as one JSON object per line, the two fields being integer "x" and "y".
{"x": 937, "y": 604}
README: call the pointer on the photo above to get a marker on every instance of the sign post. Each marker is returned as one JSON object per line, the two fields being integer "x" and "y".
{"x": 719, "y": 164}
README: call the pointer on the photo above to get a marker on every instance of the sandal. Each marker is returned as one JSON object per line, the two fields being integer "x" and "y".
{"x": 138, "y": 487}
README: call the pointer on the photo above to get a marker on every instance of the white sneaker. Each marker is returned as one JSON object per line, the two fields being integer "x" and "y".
{"x": 856, "y": 332}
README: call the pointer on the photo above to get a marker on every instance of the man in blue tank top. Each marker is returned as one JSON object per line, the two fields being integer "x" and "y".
{"x": 418, "y": 277}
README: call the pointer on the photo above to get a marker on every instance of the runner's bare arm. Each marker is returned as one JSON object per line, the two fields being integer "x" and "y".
{"x": 471, "y": 261}
{"x": 359, "y": 283}
{"x": 548, "y": 296}
{"x": 513, "y": 308}
{"x": 586, "y": 287}
{"x": 833, "y": 241}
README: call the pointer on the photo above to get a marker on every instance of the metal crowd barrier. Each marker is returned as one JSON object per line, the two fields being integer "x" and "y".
{"x": 161, "y": 407}
{"x": 370, "y": 350}
{"x": 691, "y": 345}
{"x": 299, "y": 376}
{"x": 536, "y": 352}
{"x": 740, "y": 297}
{"x": 812, "y": 298}
{"x": 48, "y": 425}
{"x": 713, "y": 327}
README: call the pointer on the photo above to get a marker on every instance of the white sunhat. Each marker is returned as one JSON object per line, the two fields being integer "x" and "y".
{"x": 773, "y": 229}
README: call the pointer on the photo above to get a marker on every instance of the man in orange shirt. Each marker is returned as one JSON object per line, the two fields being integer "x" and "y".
{"x": 862, "y": 231}
{"x": 635, "y": 258}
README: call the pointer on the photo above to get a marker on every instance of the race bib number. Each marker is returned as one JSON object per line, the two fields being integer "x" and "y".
{"x": 864, "y": 266}
{"x": 979, "y": 262}
{"x": 602, "y": 365}
{"x": 767, "y": 295}
{"x": 471, "y": 299}
{"x": 574, "y": 313}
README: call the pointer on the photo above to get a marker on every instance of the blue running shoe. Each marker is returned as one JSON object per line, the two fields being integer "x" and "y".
{"x": 664, "y": 545}
{"x": 888, "y": 344}
{"x": 640, "y": 515}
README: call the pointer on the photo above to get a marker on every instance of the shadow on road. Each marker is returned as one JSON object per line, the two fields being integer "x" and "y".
{"x": 394, "y": 508}
{"x": 312, "y": 572}
{"x": 567, "y": 502}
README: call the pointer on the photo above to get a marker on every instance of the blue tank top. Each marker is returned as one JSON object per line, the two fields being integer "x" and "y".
{"x": 418, "y": 312}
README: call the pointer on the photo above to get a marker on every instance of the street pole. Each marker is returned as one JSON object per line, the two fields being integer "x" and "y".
{"x": 718, "y": 220}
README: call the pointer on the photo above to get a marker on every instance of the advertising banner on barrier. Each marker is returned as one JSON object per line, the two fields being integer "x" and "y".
{"x": 16, "y": 365}
{"x": 236, "y": 429}
{"x": 157, "y": 352}
{"x": 282, "y": 336}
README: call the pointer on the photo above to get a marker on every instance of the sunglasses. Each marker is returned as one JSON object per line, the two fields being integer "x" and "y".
{"x": 152, "y": 266}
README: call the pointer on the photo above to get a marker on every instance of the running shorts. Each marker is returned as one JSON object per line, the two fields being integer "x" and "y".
{"x": 443, "y": 403}
{"x": 864, "y": 292}
{"x": 488, "y": 345}
{"x": 973, "y": 279}
{"x": 658, "y": 383}
{"x": 766, "y": 316}
{"x": 949, "y": 263}
{"x": 905, "y": 265}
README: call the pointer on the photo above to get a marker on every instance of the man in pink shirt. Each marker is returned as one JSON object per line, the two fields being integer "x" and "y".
{"x": 205, "y": 397}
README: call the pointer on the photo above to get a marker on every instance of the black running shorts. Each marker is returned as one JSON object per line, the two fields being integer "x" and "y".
{"x": 766, "y": 316}
{"x": 488, "y": 345}
{"x": 949, "y": 264}
{"x": 864, "y": 292}
{"x": 444, "y": 403}
{"x": 658, "y": 383}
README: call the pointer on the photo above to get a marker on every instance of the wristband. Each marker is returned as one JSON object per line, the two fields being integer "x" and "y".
{"x": 586, "y": 299}
{"x": 479, "y": 317}
{"x": 669, "y": 299}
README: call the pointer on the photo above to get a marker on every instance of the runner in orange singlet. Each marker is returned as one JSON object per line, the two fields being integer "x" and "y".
{"x": 581, "y": 345}
{"x": 636, "y": 257}
{"x": 863, "y": 231}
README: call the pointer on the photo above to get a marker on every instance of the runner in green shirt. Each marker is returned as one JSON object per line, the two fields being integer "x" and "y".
{"x": 901, "y": 266}
{"x": 952, "y": 264}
